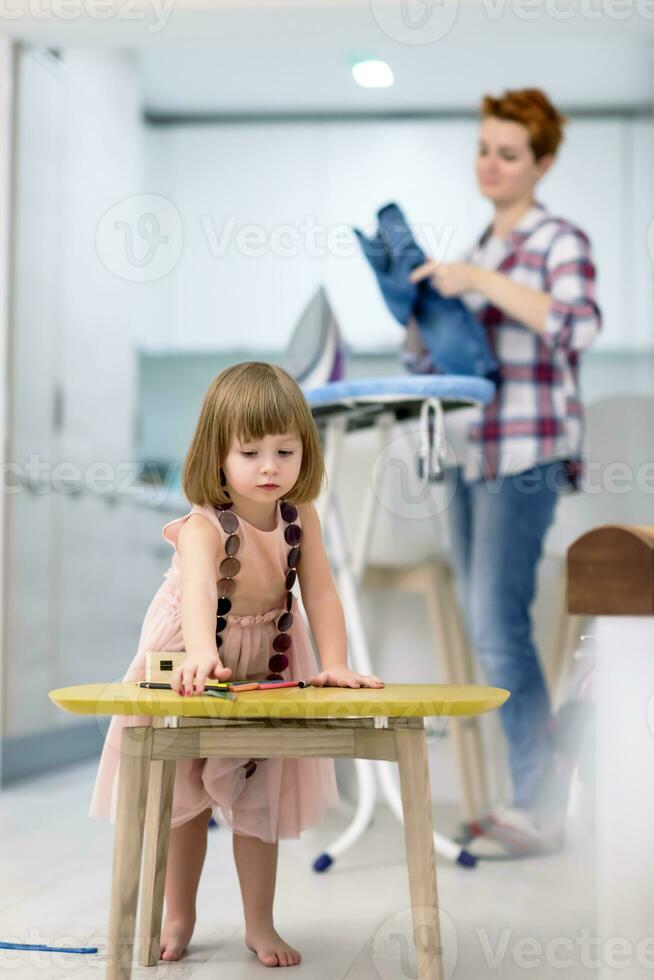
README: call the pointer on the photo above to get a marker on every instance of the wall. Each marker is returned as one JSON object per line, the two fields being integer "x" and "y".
{"x": 296, "y": 184}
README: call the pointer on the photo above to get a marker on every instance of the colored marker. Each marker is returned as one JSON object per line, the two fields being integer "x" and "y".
{"x": 155, "y": 685}
{"x": 218, "y": 692}
{"x": 269, "y": 685}
{"x": 225, "y": 695}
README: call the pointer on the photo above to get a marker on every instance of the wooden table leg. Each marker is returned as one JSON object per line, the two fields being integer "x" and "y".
{"x": 469, "y": 728}
{"x": 155, "y": 858}
{"x": 411, "y": 745}
{"x": 134, "y": 770}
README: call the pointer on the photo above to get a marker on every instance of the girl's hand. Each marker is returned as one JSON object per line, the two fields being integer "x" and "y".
{"x": 449, "y": 278}
{"x": 197, "y": 670}
{"x": 344, "y": 677}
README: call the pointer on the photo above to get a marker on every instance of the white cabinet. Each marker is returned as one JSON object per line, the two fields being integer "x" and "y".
{"x": 78, "y": 580}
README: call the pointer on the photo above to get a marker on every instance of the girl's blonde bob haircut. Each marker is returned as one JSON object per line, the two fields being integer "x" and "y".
{"x": 250, "y": 401}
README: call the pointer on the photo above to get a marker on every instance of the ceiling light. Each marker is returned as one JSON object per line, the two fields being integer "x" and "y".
{"x": 372, "y": 74}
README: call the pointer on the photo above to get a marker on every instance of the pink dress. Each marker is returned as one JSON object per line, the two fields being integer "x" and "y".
{"x": 282, "y": 797}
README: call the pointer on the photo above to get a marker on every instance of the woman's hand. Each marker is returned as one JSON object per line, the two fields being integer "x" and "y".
{"x": 449, "y": 278}
{"x": 197, "y": 670}
{"x": 344, "y": 677}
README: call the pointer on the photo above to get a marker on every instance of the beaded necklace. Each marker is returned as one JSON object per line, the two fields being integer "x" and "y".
{"x": 230, "y": 567}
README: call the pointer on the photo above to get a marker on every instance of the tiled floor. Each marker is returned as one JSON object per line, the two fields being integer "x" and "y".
{"x": 350, "y": 923}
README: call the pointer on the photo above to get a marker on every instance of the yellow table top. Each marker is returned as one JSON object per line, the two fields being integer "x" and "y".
{"x": 393, "y": 700}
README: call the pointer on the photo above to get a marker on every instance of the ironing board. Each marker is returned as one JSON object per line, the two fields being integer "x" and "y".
{"x": 384, "y": 723}
{"x": 340, "y": 407}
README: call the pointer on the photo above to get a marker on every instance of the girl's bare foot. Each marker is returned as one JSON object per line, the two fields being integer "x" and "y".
{"x": 270, "y": 947}
{"x": 175, "y": 937}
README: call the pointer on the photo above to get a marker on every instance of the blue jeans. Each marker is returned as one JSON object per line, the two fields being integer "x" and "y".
{"x": 497, "y": 530}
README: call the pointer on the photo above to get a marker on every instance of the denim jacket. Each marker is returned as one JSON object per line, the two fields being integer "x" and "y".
{"x": 454, "y": 339}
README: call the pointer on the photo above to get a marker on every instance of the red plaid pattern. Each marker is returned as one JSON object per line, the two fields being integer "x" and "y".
{"x": 536, "y": 415}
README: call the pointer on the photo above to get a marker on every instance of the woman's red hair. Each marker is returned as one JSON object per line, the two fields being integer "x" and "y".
{"x": 531, "y": 108}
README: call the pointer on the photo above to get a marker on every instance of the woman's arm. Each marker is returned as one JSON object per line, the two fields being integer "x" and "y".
{"x": 565, "y": 315}
{"x": 528, "y": 306}
{"x": 198, "y": 546}
{"x": 324, "y": 609}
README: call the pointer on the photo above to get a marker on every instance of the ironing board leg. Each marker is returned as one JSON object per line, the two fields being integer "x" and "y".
{"x": 411, "y": 745}
{"x": 136, "y": 753}
{"x": 155, "y": 858}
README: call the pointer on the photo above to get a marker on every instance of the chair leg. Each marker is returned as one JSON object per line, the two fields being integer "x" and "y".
{"x": 155, "y": 858}
{"x": 565, "y": 638}
{"x": 466, "y": 734}
{"x": 435, "y": 581}
{"x": 576, "y": 626}
{"x": 134, "y": 771}
{"x": 554, "y": 662}
{"x": 411, "y": 745}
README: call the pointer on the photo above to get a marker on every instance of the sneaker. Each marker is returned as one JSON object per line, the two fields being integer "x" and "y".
{"x": 468, "y": 830}
{"x": 514, "y": 834}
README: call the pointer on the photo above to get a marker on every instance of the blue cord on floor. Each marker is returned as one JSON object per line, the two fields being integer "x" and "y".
{"x": 49, "y": 949}
{"x": 60, "y": 949}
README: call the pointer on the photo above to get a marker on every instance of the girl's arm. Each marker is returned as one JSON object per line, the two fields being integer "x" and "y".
{"x": 323, "y": 608}
{"x": 198, "y": 546}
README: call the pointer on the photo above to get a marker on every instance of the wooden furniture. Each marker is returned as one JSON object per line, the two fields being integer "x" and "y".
{"x": 611, "y": 572}
{"x": 565, "y": 632}
{"x": 377, "y": 724}
{"x": 611, "y": 578}
{"x": 434, "y": 581}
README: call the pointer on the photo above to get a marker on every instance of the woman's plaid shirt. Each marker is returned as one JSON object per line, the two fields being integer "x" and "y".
{"x": 536, "y": 414}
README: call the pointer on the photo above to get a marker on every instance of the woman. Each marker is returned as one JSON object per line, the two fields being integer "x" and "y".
{"x": 530, "y": 280}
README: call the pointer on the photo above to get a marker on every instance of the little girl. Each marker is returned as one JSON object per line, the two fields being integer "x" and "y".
{"x": 252, "y": 471}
